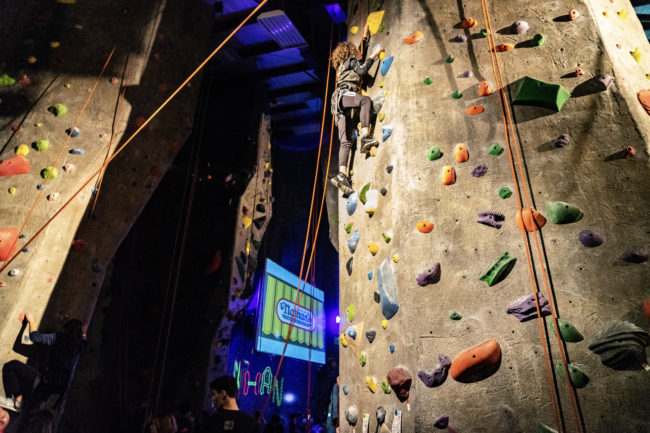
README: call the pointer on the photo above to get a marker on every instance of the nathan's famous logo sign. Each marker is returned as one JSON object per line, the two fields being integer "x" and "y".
{"x": 302, "y": 317}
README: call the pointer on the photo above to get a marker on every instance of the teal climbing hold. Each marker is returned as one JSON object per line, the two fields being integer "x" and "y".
{"x": 362, "y": 193}
{"x": 578, "y": 377}
{"x": 370, "y": 275}
{"x": 387, "y": 289}
{"x": 58, "y": 109}
{"x": 353, "y": 242}
{"x": 349, "y": 312}
{"x": 434, "y": 153}
{"x": 41, "y": 145}
{"x": 386, "y": 131}
{"x": 428, "y": 81}
{"x": 495, "y": 149}
{"x": 568, "y": 332}
{"x": 353, "y": 201}
{"x": 529, "y": 91}
{"x": 499, "y": 270}
{"x": 539, "y": 39}
{"x": 563, "y": 213}
{"x": 449, "y": 59}
{"x": 6, "y": 80}
{"x": 385, "y": 65}
{"x": 455, "y": 316}
{"x": 505, "y": 192}
{"x": 457, "y": 94}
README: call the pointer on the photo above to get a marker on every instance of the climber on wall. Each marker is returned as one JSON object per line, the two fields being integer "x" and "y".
{"x": 348, "y": 61}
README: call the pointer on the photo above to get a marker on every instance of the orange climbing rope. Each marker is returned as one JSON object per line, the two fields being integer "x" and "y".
{"x": 137, "y": 131}
{"x": 505, "y": 113}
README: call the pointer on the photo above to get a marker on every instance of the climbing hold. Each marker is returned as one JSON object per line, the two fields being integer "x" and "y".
{"x": 353, "y": 242}
{"x": 563, "y": 213}
{"x": 460, "y": 153}
{"x": 459, "y": 38}
{"x": 568, "y": 332}
{"x": 58, "y": 110}
{"x": 31, "y": 60}
{"x": 371, "y": 384}
{"x": 363, "y": 358}
{"x": 468, "y": 74}
{"x": 380, "y": 414}
{"x": 636, "y": 54}
{"x": 430, "y": 276}
{"x": 13, "y": 166}
{"x": 386, "y": 131}
{"x": 391, "y": 348}
{"x": 416, "y": 36}
{"x": 372, "y": 197}
{"x": 370, "y": 275}
{"x": 353, "y": 200}
{"x": 474, "y": 109}
{"x": 348, "y": 227}
{"x": 8, "y": 242}
{"x": 22, "y": 150}
{"x": 503, "y": 47}
{"x": 12, "y": 190}
{"x": 395, "y": 258}
{"x": 348, "y": 265}
{"x": 386, "y": 237}
{"x": 562, "y": 140}
{"x": 590, "y": 238}
{"x": 349, "y": 312}
{"x": 383, "y": 191}
{"x": 646, "y": 307}
{"x": 424, "y": 226}
{"x": 55, "y": 44}
{"x": 499, "y": 270}
{"x": 434, "y": 153}
{"x": 543, "y": 428}
{"x": 457, "y": 94}
{"x": 480, "y": 170}
{"x": 6, "y": 80}
{"x": 449, "y": 59}
{"x": 573, "y": 14}
{"x": 373, "y": 248}
{"x": 505, "y": 192}
{"x": 468, "y": 23}
{"x": 39, "y": 186}
{"x": 525, "y": 308}
{"x": 381, "y": 117}
{"x": 455, "y": 316}
{"x": 385, "y": 65}
{"x": 400, "y": 380}
{"x": 370, "y": 335}
{"x": 247, "y": 221}
{"x": 427, "y": 81}
{"x": 621, "y": 345}
{"x": 24, "y": 80}
{"x": 484, "y": 89}
{"x": 442, "y": 422}
{"x": 353, "y": 334}
{"x": 389, "y": 169}
{"x": 354, "y": 30}
{"x": 476, "y": 361}
{"x": 388, "y": 290}
{"x": 343, "y": 340}
{"x": 14, "y": 272}
{"x": 622, "y": 13}
{"x": 362, "y": 193}
{"x": 53, "y": 196}
{"x": 644, "y": 99}
{"x": 448, "y": 175}
{"x": 376, "y": 297}
{"x": 436, "y": 377}
{"x": 345, "y": 389}
{"x": 529, "y": 220}
{"x": 634, "y": 256}
{"x": 385, "y": 386}
{"x": 529, "y": 91}
{"x": 76, "y": 151}
{"x": 352, "y": 415}
{"x": 579, "y": 72}
{"x": 578, "y": 377}
{"x": 495, "y": 149}
{"x": 384, "y": 323}
{"x": 539, "y": 39}
{"x": 490, "y": 218}
{"x": 374, "y": 21}
{"x": 519, "y": 27}
{"x": 72, "y": 132}
{"x": 259, "y": 222}
{"x": 41, "y": 145}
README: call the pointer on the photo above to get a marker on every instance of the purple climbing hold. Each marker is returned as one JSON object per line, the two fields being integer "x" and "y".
{"x": 442, "y": 422}
{"x": 479, "y": 170}
{"x": 634, "y": 256}
{"x": 590, "y": 238}
{"x": 490, "y": 218}
{"x": 460, "y": 38}
{"x": 519, "y": 27}
{"x": 468, "y": 74}
{"x": 562, "y": 140}
{"x": 524, "y": 308}
{"x": 437, "y": 376}
{"x": 430, "y": 276}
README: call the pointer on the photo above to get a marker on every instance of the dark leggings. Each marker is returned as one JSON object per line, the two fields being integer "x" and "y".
{"x": 349, "y": 101}
{"x": 18, "y": 378}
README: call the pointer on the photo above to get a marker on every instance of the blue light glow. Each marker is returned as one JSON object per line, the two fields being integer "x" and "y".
{"x": 289, "y": 397}
{"x": 337, "y": 14}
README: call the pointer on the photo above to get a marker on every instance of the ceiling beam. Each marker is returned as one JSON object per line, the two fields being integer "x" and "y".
{"x": 295, "y": 120}
{"x": 226, "y": 23}
{"x": 287, "y": 108}
{"x": 312, "y": 87}
{"x": 279, "y": 71}
{"x": 258, "y": 49}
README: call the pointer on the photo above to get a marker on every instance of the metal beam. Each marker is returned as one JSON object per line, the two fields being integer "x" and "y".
{"x": 287, "y": 108}
{"x": 279, "y": 71}
{"x": 312, "y": 87}
{"x": 257, "y": 49}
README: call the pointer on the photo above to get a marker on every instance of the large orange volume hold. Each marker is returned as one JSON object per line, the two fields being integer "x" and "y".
{"x": 12, "y": 166}
{"x": 529, "y": 220}
{"x": 8, "y": 242}
{"x": 460, "y": 153}
{"x": 424, "y": 226}
{"x": 448, "y": 175}
{"x": 475, "y": 360}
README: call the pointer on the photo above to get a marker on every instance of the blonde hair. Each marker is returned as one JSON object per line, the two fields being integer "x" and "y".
{"x": 341, "y": 53}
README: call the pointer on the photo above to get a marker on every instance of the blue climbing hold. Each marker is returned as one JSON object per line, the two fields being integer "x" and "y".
{"x": 72, "y": 132}
{"x": 387, "y": 289}
{"x": 76, "y": 151}
{"x": 25, "y": 250}
{"x": 385, "y": 65}
{"x": 386, "y": 131}
{"x": 353, "y": 334}
{"x": 370, "y": 275}
{"x": 392, "y": 348}
{"x": 354, "y": 241}
{"x": 353, "y": 201}
{"x": 39, "y": 186}
{"x": 345, "y": 389}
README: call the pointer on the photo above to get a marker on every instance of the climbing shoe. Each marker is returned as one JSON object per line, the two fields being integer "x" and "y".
{"x": 10, "y": 404}
{"x": 342, "y": 182}
{"x": 367, "y": 142}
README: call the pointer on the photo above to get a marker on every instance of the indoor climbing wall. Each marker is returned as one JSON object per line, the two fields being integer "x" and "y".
{"x": 457, "y": 240}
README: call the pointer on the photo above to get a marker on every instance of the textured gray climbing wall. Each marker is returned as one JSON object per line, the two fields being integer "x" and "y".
{"x": 432, "y": 94}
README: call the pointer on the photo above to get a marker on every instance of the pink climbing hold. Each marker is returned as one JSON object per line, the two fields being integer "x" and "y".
{"x": 644, "y": 99}
{"x": 8, "y": 242}
{"x": 14, "y": 166}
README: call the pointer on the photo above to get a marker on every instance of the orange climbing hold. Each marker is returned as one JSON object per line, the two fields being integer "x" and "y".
{"x": 573, "y": 14}
{"x": 460, "y": 153}
{"x": 503, "y": 47}
{"x": 8, "y": 242}
{"x": 416, "y": 36}
{"x": 448, "y": 175}
{"x": 646, "y": 308}
{"x": 424, "y": 226}
{"x": 644, "y": 99}
{"x": 476, "y": 360}
{"x": 13, "y": 166}
{"x": 629, "y": 152}
{"x": 474, "y": 109}
{"x": 529, "y": 220}
{"x": 468, "y": 23}
{"x": 484, "y": 89}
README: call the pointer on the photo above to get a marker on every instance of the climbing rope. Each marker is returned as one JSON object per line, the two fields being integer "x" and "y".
{"x": 509, "y": 124}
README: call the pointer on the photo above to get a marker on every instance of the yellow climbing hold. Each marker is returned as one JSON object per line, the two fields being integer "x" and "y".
{"x": 381, "y": 117}
{"x": 622, "y": 13}
{"x": 248, "y": 248}
{"x": 66, "y": 85}
{"x": 371, "y": 384}
{"x": 354, "y": 30}
{"x": 381, "y": 57}
{"x": 247, "y": 221}
{"x": 31, "y": 59}
{"x": 55, "y": 44}
{"x": 387, "y": 95}
{"x": 343, "y": 341}
{"x": 38, "y": 124}
{"x": 269, "y": 145}
{"x": 605, "y": 13}
{"x": 12, "y": 190}
{"x": 373, "y": 151}
{"x": 373, "y": 248}
{"x": 396, "y": 258}
{"x": 78, "y": 26}
{"x": 384, "y": 323}
{"x": 636, "y": 54}
{"x": 374, "y": 21}
{"x": 23, "y": 150}
{"x": 647, "y": 76}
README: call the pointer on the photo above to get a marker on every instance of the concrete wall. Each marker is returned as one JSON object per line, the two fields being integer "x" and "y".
{"x": 591, "y": 286}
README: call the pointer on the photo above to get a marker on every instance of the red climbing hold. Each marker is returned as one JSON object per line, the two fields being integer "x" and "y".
{"x": 13, "y": 166}
{"x": 139, "y": 121}
{"x": 503, "y": 47}
{"x": 484, "y": 89}
{"x": 416, "y": 36}
{"x": 644, "y": 99}
{"x": 468, "y": 23}
{"x": 424, "y": 226}
{"x": 529, "y": 220}
{"x": 16, "y": 128}
{"x": 579, "y": 72}
{"x": 474, "y": 109}
{"x": 214, "y": 264}
{"x": 629, "y": 152}
{"x": 460, "y": 153}
{"x": 646, "y": 308}
{"x": 8, "y": 242}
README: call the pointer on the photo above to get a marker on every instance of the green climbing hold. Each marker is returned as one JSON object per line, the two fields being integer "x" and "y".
{"x": 563, "y": 213}
{"x": 428, "y": 81}
{"x": 484, "y": 33}
{"x": 257, "y": 244}
{"x": 495, "y": 149}
{"x": 6, "y": 80}
{"x": 351, "y": 173}
{"x": 449, "y": 59}
{"x": 539, "y": 39}
{"x": 385, "y": 386}
{"x": 529, "y": 91}
{"x": 568, "y": 332}
{"x": 434, "y": 153}
{"x": 381, "y": 28}
{"x": 58, "y": 110}
{"x": 362, "y": 193}
{"x": 386, "y": 237}
{"x": 50, "y": 172}
{"x": 381, "y": 85}
{"x": 381, "y": 117}
{"x": 349, "y": 312}
{"x": 578, "y": 377}
{"x": 455, "y": 316}
{"x": 348, "y": 227}
{"x": 543, "y": 428}
{"x": 457, "y": 94}
{"x": 499, "y": 270}
{"x": 363, "y": 358}
{"x": 41, "y": 145}
{"x": 505, "y": 192}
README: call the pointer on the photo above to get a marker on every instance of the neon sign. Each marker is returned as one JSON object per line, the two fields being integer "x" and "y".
{"x": 304, "y": 319}
{"x": 262, "y": 383}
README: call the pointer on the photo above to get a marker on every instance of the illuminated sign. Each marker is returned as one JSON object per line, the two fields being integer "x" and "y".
{"x": 261, "y": 385}
{"x": 304, "y": 319}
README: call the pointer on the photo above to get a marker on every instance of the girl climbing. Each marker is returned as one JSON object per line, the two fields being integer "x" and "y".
{"x": 348, "y": 61}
